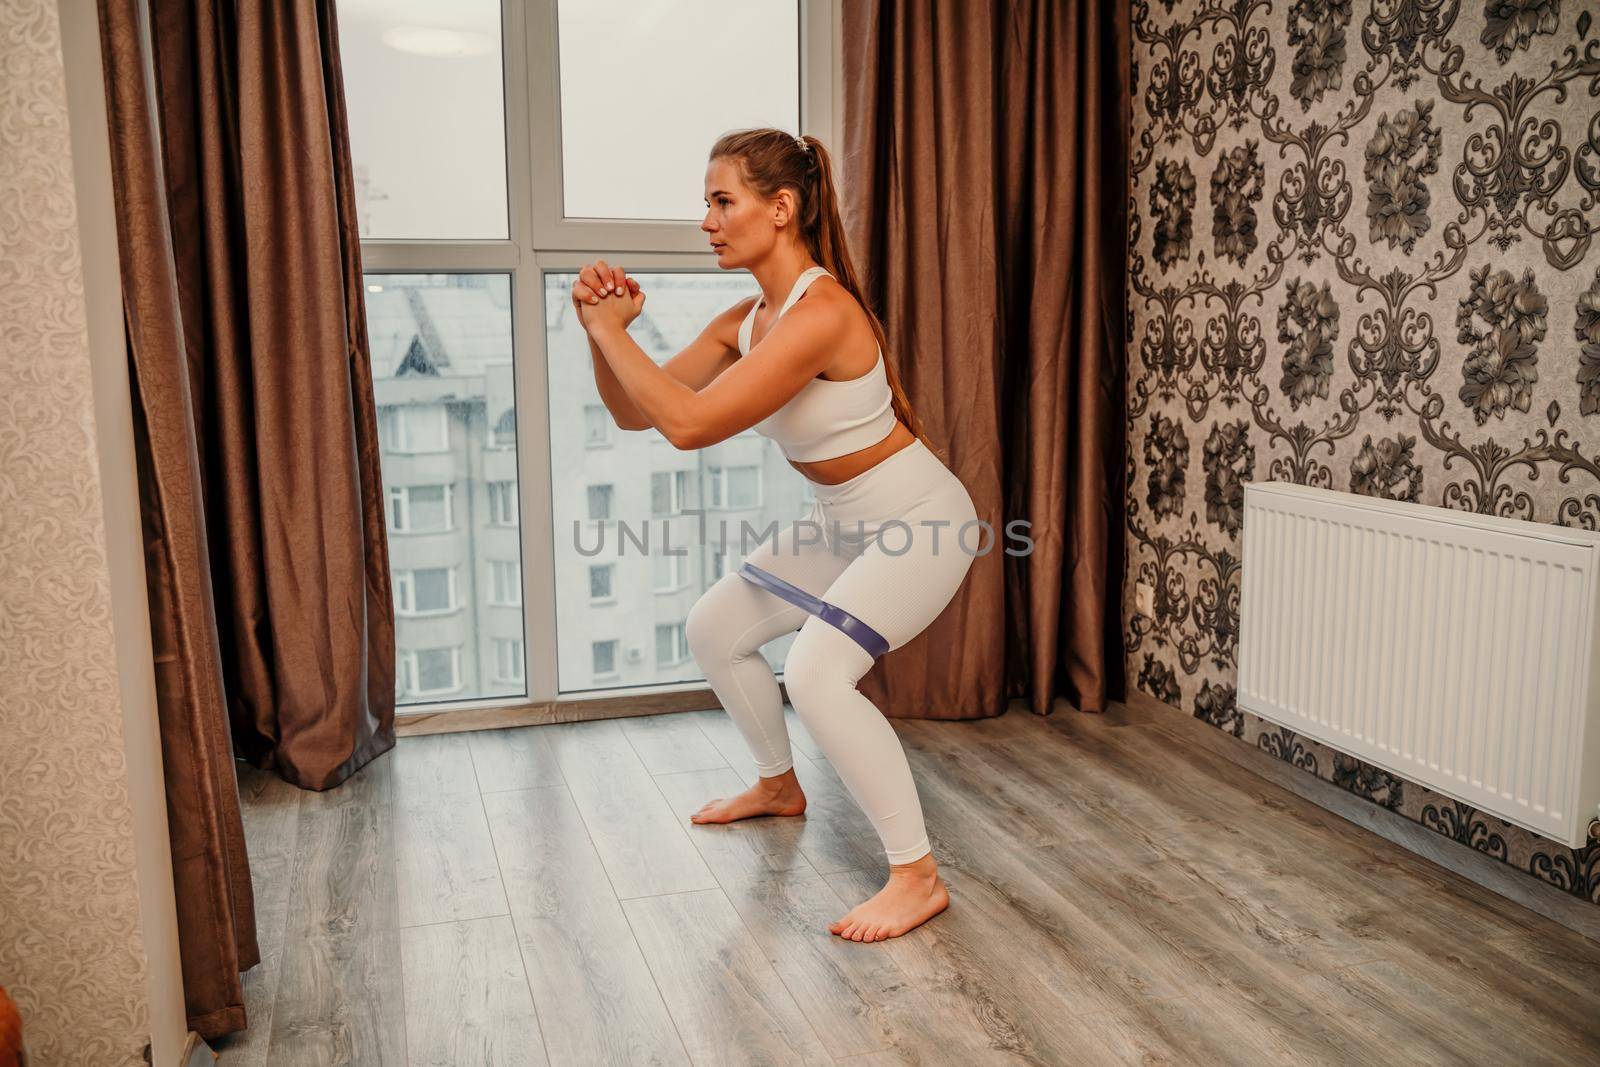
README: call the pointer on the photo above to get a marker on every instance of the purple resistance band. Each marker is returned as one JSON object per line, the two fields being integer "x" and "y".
{"x": 854, "y": 628}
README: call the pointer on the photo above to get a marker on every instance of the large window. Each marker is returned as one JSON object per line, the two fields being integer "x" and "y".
{"x": 483, "y": 182}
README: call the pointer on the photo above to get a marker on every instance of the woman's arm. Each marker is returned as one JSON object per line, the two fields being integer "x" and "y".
{"x": 595, "y": 281}
{"x": 707, "y": 356}
{"x": 613, "y": 395}
{"x": 798, "y": 348}
{"x": 697, "y": 365}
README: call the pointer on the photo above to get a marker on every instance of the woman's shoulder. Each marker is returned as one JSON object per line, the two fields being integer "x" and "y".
{"x": 841, "y": 306}
{"x": 828, "y": 293}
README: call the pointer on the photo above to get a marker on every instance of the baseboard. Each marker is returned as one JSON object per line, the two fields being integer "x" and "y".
{"x": 416, "y": 724}
{"x": 1515, "y": 885}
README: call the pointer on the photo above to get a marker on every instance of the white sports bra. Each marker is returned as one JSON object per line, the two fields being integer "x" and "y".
{"x": 826, "y": 419}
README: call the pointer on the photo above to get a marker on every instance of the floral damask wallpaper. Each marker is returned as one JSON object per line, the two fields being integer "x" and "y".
{"x": 1362, "y": 257}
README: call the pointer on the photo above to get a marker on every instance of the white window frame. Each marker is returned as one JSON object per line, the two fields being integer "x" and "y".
{"x": 677, "y": 568}
{"x": 405, "y": 593}
{"x": 401, "y": 494}
{"x": 503, "y": 511}
{"x": 411, "y": 671}
{"x": 717, "y": 495}
{"x": 542, "y": 241}
{"x": 677, "y": 492}
{"x": 680, "y": 642}
{"x": 401, "y": 441}
{"x": 514, "y": 655}
{"x": 514, "y": 586}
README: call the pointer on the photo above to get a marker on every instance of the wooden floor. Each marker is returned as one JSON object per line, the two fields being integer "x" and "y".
{"x": 539, "y": 896}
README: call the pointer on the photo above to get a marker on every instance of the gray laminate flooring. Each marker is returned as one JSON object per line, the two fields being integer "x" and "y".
{"x": 538, "y": 896}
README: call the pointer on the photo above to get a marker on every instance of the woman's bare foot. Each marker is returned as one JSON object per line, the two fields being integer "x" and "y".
{"x": 914, "y": 894}
{"x": 778, "y": 795}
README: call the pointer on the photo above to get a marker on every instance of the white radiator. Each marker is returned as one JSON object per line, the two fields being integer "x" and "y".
{"x": 1454, "y": 650}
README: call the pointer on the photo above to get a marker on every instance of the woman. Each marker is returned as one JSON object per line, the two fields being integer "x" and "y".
{"x": 804, "y": 365}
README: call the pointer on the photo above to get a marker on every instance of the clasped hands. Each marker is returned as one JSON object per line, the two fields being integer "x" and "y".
{"x": 606, "y": 297}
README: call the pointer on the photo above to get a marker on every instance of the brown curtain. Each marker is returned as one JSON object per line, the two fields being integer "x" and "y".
{"x": 984, "y": 167}
{"x": 255, "y": 432}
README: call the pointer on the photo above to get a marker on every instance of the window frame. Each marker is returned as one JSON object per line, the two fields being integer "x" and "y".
{"x": 678, "y": 634}
{"x": 680, "y": 488}
{"x": 403, "y": 498}
{"x": 718, "y": 481}
{"x": 405, "y": 582}
{"x": 500, "y": 515}
{"x": 400, "y": 423}
{"x": 678, "y": 567}
{"x": 515, "y": 587}
{"x": 411, "y": 668}
{"x": 542, "y": 242}
{"x": 518, "y": 661}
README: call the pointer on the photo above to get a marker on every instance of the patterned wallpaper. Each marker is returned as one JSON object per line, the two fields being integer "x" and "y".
{"x": 71, "y": 942}
{"x": 1363, "y": 258}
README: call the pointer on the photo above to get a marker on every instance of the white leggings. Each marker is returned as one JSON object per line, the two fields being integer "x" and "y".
{"x": 891, "y": 546}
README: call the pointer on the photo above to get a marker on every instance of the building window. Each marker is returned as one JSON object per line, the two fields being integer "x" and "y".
{"x": 601, "y": 578}
{"x": 735, "y": 487}
{"x": 419, "y": 508}
{"x": 599, "y": 502}
{"x": 507, "y": 660}
{"x": 505, "y": 583}
{"x": 430, "y": 671}
{"x": 425, "y": 591}
{"x": 672, "y": 646}
{"x": 719, "y": 565}
{"x": 596, "y": 425}
{"x": 604, "y": 657}
{"x": 502, "y": 503}
{"x": 669, "y": 492}
{"x": 416, "y": 428}
{"x": 504, "y": 434}
{"x": 671, "y": 573}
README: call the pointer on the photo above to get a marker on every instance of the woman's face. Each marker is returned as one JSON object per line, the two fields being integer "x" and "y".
{"x": 738, "y": 224}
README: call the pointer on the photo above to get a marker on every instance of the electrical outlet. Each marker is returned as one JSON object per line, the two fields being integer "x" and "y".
{"x": 1145, "y": 598}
